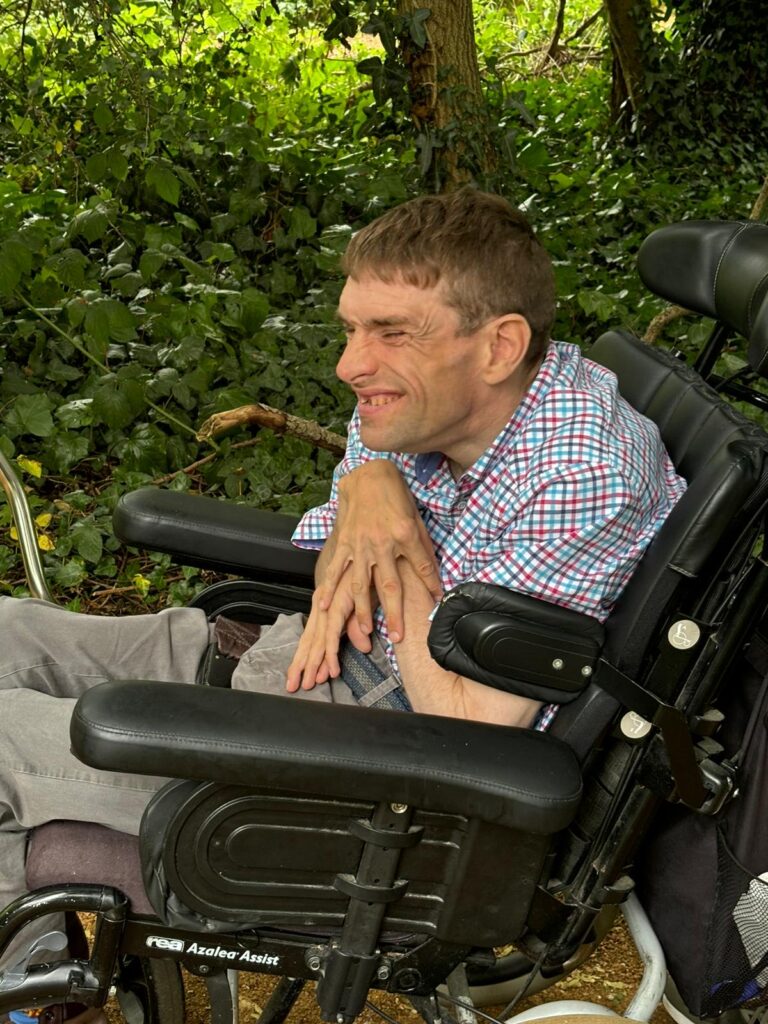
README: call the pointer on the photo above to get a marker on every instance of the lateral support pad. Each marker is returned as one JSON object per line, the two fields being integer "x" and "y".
{"x": 514, "y": 777}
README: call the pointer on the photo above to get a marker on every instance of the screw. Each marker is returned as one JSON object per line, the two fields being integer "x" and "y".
{"x": 586, "y": 671}
{"x": 557, "y": 664}
{"x": 204, "y": 969}
{"x": 383, "y": 972}
{"x": 314, "y": 962}
{"x": 398, "y": 808}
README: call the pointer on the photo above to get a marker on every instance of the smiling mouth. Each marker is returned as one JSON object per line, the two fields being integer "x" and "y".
{"x": 377, "y": 401}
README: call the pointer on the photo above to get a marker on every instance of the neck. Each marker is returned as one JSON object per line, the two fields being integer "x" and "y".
{"x": 460, "y": 461}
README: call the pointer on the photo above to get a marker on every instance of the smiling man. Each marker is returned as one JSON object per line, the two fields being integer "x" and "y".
{"x": 479, "y": 450}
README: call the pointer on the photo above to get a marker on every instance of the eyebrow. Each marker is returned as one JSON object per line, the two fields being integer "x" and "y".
{"x": 378, "y": 321}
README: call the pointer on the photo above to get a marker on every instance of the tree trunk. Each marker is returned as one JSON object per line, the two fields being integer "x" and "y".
{"x": 447, "y": 103}
{"x": 629, "y": 24}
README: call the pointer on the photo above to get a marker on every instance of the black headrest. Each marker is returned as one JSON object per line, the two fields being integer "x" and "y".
{"x": 718, "y": 269}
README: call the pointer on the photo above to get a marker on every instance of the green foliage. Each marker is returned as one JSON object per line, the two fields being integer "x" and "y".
{"x": 170, "y": 228}
{"x": 179, "y": 183}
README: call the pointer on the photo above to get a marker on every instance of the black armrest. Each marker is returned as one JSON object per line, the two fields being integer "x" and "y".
{"x": 514, "y": 777}
{"x": 214, "y": 534}
{"x": 515, "y": 642}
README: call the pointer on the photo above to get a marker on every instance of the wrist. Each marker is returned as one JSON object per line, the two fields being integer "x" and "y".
{"x": 373, "y": 469}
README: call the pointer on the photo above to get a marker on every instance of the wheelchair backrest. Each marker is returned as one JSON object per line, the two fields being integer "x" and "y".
{"x": 718, "y": 270}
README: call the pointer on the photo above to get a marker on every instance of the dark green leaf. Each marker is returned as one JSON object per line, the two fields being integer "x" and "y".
{"x": 164, "y": 182}
{"x": 30, "y": 414}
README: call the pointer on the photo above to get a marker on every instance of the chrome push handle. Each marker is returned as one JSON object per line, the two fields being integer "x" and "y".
{"x": 25, "y": 527}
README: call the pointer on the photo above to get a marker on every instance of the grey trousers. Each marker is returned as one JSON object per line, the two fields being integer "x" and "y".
{"x": 50, "y": 656}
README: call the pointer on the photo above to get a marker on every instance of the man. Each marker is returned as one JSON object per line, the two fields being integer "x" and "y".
{"x": 479, "y": 450}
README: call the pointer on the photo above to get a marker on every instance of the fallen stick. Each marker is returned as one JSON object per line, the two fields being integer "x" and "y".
{"x": 280, "y": 422}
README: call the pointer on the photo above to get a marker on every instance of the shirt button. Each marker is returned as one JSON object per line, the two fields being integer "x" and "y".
{"x": 461, "y": 504}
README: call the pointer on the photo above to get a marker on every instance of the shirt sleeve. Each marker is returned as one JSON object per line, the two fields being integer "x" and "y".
{"x": 578, "y": 540}
{"x": 316, "y": 525}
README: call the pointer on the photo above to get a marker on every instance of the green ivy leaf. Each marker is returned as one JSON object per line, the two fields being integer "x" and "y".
{"x": 10, "y": 274}
{"x": 221, "y": 251}
{"x": 90, "y": 224}
{"x": 118, "y": 402}
{"x": 416, "y": 26}
{"x": 96, "y": 166}
{"x": 150, "y": 263}
{"x": 164, "y": 182}
{"x": 88, "y": 542}
{"x": 64, "y": 450}
{"x": 301, "y": 224}
{"x": 187, "y": 222}
{"x": 69, "y": 574}
{"x": 117, "y": 165}
{"x": 109, "y": 320}
{"x": 30, "y": 414}
{"x": 102, "y": 115}
{"x": 77, "y": 413}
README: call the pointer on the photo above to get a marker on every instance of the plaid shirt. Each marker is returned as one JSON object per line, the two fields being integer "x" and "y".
{"x": 561, "y": 505}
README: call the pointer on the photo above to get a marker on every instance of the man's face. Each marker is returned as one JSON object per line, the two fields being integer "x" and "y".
{"x": 418, "y": 383}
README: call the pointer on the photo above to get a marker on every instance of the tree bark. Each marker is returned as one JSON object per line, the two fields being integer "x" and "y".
{"x": 629, "y": 24}
{"x": 447, "y": 103}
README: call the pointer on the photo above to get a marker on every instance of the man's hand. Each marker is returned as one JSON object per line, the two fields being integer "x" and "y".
{"x": 377, "y": 524}
{"x": 317, "y": 656}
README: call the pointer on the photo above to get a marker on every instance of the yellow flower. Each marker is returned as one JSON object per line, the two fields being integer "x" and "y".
{"x": 31, "y": 466}
{"x": 142, "y": 584}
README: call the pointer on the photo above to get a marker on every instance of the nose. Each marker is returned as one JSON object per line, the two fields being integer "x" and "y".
{"x": 358, "y": 360}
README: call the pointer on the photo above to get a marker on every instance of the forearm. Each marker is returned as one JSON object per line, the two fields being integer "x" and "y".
{"x": 433, "y": 690}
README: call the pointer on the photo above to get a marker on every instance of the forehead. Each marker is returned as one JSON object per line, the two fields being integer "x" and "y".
{"x": 372, "y": 300}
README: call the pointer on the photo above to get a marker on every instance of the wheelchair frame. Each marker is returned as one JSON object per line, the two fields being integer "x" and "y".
{"x": 641, "y": 728}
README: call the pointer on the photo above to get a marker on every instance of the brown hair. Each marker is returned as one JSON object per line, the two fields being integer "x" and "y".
{"x": 482, "y": 249}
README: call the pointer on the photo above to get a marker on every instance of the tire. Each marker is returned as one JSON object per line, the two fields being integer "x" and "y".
{"x": 501, "y": 983}
{"x": 150, "y": 991}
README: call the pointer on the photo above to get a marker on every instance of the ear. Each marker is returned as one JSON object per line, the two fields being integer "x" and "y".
{"x": 508, "y": 341}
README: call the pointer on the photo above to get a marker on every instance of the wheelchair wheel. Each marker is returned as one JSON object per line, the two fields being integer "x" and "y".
{"x": 150, "y": 991}
{"x": 502, "y": 982}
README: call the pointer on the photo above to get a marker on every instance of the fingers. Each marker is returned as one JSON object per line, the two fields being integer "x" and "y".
{"x": 421, "y": 555}
{"x": 317, "y": 654}
{"x": 308, "y": 666}
{"x": 332, "y": 574}
{"x": 356, "y": 637}
{"x": 389, "y": 587}
{"x": 360, "y": 588}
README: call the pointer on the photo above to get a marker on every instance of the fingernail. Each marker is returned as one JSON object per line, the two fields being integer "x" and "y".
{"x": 395, "y": 637}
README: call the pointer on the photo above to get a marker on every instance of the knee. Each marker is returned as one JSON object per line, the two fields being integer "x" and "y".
{"x": 23, "y": 619}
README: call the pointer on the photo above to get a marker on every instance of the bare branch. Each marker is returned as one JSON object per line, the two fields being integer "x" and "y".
{"x": 554, "y": 44}
{"x": 281, "y": 422}
{"x": 760, "y": 202}
{"x": 662, "y": 320}
{"x": 585, "y": 25}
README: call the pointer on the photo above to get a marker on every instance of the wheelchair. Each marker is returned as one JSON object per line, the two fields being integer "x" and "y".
{"x": 371, "y": 850}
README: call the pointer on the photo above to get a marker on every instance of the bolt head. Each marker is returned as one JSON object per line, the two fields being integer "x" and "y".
{"x": 558, "y": 664}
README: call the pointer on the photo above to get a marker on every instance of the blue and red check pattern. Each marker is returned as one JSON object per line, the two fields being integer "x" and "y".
{"x": 561, "y": 506}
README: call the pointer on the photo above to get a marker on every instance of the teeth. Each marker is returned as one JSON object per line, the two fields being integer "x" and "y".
{"x": 378, "y": 401}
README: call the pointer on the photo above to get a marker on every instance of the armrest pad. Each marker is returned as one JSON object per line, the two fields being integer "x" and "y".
{"x": 215, "y": 534}
{"x": 515, "y": 777}
{"x": 515, "y": 642}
